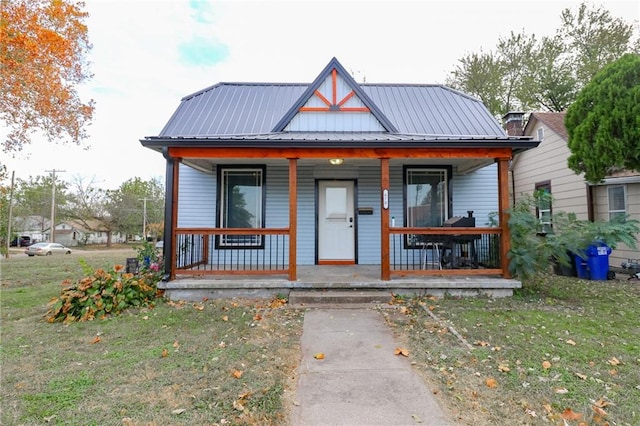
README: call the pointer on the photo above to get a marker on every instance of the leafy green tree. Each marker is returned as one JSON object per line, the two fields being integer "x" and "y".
{"x": 524, "y": 73}
{"x": 136, "y": 204}
{"x": 604, "y": 122}
{"x": 33, "y": 197}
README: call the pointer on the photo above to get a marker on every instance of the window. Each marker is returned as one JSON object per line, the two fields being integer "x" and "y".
{"x": 617, "y": 202}
{"x": 241, "y": 204}
{"x": 543, "y": 209}
{"x": 426, "y": 196}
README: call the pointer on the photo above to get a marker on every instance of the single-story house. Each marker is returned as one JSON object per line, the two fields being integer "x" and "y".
{"x": 273, "y": 178}
{"x": 545, "y": 167}
{"x": 73, "y": 233}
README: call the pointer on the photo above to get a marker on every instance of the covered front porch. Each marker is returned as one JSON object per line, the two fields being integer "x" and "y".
{"x": 404, "y": 251}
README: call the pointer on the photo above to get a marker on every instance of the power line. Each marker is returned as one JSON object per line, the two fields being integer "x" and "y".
{"x": 53, "y": 202}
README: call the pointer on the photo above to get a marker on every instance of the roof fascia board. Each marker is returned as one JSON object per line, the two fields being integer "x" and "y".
{"x": 324, "y": 74}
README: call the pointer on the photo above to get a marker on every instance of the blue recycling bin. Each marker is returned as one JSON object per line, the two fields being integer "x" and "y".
{"x": 598, "y": 261}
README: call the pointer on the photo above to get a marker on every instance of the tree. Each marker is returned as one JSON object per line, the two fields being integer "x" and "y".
{"x": 524, "y": 73}
{"x": 42, "y": 60}
{"x": 136, "y": 204}
{"x": 604, "y": 122}
{"x": 33, "y": 198}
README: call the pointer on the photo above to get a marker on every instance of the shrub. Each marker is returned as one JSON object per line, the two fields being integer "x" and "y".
{"x": 102, "y": 293}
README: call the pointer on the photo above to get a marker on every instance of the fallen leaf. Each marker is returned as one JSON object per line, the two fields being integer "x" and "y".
{"x": 432, "y": 308}
{"x": 257, "y": 317}
{"x": 569, "y": 414}
{"x": 601, "y": 403}
{"x": 571, "y": 342}
{"x": 416, "y": 418}
{"x": 401, "y": 351}
{"x": 599, "y": 411}
{"x": 95, "y": 340}
{"x": 481, "y": 343}
{"x": 546, "y": 365}
{"x": 178, "y": 411}
{"x": 165, "y": 353}
{"x": 491, "y": 383}
{"x": 238, "y": 405}
{"x": 198, "y": 306}
{"x": 504, "y": 368}
{"x": 581, "y": 376}
{"x": 561, "y": 391}
{"x": 404, "y": 310}
{"x": 319, "y": 355}
{"x": 548, "y": 408}
{"x": 530, "y": 412}
{"x": 614, "y": 361}
{"x": 176, "y": 344}
{"x": 225, "y": 318}
{"x": 237, "y": 374}
{"x": 613, "y": 372}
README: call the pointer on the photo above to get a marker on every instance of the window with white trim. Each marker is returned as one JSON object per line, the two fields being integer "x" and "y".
{"x": 241, "y": 204}
{"x": 617, "y": 197}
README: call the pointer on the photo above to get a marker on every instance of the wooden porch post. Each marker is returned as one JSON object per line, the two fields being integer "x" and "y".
{"x": 385, "y": 272}
{"x": 503, "y": 216}
{"x": 293, "y": 217}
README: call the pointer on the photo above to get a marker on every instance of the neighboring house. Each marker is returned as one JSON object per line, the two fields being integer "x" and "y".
{"x": 265, "y": 177}
{"x": 73, "y": 233}
{"x": 545, "y": 167}
{"x": 36, "y": 227}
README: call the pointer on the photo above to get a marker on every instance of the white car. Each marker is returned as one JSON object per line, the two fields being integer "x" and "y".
{"x": 46, "y": 249}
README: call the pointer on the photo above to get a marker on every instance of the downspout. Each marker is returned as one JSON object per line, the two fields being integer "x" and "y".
{"x": 590, "y": 209}
{"x": 168, "y": 218}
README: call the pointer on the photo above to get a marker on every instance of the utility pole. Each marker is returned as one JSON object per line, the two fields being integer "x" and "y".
{"x": 13, "y": 175}
{"x": 144, "y": 218}
{"x": 53, "y": 202}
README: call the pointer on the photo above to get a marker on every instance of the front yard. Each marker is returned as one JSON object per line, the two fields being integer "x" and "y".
{"x": 561, "y": 350}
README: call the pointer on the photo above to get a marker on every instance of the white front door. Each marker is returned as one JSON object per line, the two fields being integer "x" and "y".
{"x": 336, "y": 222}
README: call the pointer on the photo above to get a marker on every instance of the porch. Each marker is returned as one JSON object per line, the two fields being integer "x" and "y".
{"x": 335, "y": 278}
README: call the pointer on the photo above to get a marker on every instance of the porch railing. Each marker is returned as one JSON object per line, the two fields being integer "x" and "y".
{"x": 210, "y": 251}
{"x": 445, "y": 251}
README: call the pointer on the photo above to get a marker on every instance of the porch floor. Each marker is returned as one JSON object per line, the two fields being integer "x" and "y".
{"x": 326, "y": 278}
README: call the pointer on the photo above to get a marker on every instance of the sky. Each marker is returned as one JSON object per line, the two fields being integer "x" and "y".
{"x": 148, "y": 54}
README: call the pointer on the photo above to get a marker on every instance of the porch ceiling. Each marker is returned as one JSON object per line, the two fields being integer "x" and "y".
{"x": 461, "y": 165}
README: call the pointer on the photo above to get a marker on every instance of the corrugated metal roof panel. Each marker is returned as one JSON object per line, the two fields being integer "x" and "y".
{"x": 232, "y": 108}
{"x": 255, "y": 108}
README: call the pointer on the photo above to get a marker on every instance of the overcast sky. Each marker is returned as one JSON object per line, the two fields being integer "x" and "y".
{"x": 148, "y": 54}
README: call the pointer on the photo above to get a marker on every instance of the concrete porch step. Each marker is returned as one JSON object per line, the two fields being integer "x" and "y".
{"x": 338, "y": 298}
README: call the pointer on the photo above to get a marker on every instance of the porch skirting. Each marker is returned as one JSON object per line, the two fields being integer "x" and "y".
{"x": 324, "y": 278}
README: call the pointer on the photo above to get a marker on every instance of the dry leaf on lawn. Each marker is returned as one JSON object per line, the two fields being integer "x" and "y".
{"x": 165, "y": 353}
{"x": 96, "y": 340}
{"x": 237, "y": 374}
{"x": 319, "y": 355}
{"x": 491, "y": 383}
{"x": 546, "y": 365}
{"x": 569, "y": 414}
{"x": 571, "y": 342}
{"x": 614, "y": 361}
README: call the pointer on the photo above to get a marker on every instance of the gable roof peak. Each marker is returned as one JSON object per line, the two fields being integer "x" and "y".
{"x": 333, "y": 69}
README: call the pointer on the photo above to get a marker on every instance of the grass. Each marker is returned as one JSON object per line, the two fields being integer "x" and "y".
{"x": 215, "y": 362}
{"x": 561, "y": 350}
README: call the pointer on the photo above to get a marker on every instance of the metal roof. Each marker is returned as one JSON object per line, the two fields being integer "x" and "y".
{"x": 258, "y": 111}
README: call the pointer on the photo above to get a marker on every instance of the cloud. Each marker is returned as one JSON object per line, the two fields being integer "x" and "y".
{"x": 202, "y": 52}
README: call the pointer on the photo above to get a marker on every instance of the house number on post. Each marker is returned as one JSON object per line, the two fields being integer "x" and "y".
{"x": 385, "y": 199}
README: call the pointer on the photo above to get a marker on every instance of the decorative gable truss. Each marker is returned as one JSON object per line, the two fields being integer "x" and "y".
{"x": 334, "y": 102}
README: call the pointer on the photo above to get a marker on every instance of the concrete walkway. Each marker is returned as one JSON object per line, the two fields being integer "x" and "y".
{"x": 360, "y": 381}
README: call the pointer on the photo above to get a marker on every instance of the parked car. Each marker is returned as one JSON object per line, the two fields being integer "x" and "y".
{"x": 46, "y": 249}
{"x": 23, "y": 241}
